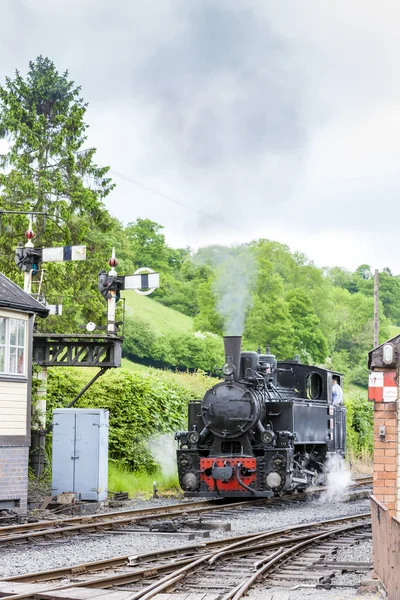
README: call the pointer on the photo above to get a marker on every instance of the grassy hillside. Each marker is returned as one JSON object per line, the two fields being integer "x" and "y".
{"x": 162, "y": 319}
{"x": 394, "y": 330}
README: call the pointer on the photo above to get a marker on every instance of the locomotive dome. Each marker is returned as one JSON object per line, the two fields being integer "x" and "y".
{"x": 229, "y": 410}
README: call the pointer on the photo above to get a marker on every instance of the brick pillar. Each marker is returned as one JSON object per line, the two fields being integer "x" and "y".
{"x": 14, "y": 478}
{"x": 386, "y": 455}
{"x": 398, "y": 461}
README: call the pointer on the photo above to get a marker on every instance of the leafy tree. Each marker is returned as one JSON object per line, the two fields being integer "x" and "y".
{"x": 353, "y": 326}
{"x": 269, "y": 323}
{"x": 339, "y": 277}
{"x": 46, "y": 167}
{"x": 139, "y": 338}
{"x": 208, "y": 318}
{"x": 143, "y": 245}
{"x": 308, "y": 338}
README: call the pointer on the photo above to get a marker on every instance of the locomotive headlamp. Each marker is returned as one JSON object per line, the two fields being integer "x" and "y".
{"x": 273, "y": 479}
{"x": 193, "y": 437}
{"x": 228, "y": 369}
{"x": 267, "y": 437}
{"x": 190, "y": 481}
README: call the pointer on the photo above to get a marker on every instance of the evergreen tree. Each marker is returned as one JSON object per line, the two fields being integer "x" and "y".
{"x": 47, "y": 169}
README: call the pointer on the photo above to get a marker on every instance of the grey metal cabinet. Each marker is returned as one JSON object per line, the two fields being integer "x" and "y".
{"x": 80, "y": 452}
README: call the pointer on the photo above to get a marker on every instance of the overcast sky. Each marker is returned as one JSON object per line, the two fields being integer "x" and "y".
{"x": 280, "y": 118}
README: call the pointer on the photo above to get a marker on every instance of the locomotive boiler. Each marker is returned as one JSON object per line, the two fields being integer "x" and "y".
{"x": 268, "y": 428}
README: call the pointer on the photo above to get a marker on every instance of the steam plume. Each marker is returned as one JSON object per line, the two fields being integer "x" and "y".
{"x": 163, "y": 449}
{"x": 233, "y": 288}
{"x": 338, "y": 480}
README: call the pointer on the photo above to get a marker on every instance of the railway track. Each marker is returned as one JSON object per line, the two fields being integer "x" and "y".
{"x": 114, "y": 521}
{"x": 225, "y": 568}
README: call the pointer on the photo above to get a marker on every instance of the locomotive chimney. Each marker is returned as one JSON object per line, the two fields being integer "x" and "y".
{"x": 232, "y": 346}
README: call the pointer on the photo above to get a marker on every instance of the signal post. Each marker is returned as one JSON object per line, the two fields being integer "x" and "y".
{"x": 81, "y": 350}
{"x": 144, "y": 281}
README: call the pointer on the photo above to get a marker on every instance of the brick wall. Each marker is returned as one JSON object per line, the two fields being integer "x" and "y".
{"x": 14, "y": 476}
{"x": 385, "y": 455}
{"x": 398, "y": 460}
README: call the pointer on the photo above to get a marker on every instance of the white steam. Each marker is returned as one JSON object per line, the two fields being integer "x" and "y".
{"x": 236, "y": 269}
{"x": 338, "y": 479}
{"x": 163, "y": 449}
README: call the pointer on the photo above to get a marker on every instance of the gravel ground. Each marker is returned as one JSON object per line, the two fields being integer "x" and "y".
{"x": 30, "y": 558}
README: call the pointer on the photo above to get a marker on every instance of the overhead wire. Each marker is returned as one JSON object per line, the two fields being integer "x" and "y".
{"x": 178, "y": 202}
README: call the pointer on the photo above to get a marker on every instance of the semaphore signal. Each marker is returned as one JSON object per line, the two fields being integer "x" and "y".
{"x": 28, "y": 259}
{"x": 144, "y": 281}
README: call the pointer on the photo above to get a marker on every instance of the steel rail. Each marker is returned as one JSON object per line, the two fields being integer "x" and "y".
{"x": 22, "y": 527}
{"x": 103, "y": 524}
{"x": 103, "y": 519}
{"x": 186, "y": 565}
{"x": 277, "y": 557}
{"x": 169, "y": 580}
{"x": 91, "y": 523}
{"x": 211, "y": 551}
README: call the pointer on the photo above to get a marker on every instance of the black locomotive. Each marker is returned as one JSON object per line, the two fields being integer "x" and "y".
{"x": 268, "y": 428}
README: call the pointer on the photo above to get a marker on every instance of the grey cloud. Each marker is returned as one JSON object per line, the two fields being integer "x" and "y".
{"x": 257, "y": 112}
{"x": 224, "y": 87}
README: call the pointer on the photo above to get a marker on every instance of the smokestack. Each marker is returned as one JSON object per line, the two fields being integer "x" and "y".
{"x": 232, "y": 346}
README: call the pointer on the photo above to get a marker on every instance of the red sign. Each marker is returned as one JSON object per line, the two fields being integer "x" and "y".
{"x": 382, "y": 386}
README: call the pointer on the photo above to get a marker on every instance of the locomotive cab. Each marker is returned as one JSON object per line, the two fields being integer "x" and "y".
{"x": 269, "y": 427}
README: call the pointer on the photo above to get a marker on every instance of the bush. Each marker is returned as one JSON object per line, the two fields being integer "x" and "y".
{"x": 359, "y": 376}
{"x": 360, "y": 425}
{"x": 194, "y": 351}
{"x": 139, "y": 405}
{"x": 140, "y": 338}
{"x": 202, "y": 351}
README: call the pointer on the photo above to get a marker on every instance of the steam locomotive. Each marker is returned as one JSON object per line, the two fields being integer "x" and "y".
{"x": 269, "y": 428}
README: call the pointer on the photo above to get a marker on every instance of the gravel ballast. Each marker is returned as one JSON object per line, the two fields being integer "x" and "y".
{"x": 16, "y": 560}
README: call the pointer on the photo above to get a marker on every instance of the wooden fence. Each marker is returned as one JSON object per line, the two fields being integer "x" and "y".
{"x": 386, "y": 544}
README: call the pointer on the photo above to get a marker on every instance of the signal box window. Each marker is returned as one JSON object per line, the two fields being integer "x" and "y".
{"x": 12, "y": 346}
{"x": 314, "y": 386}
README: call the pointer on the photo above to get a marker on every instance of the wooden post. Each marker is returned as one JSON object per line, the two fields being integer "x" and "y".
{"x": 376, "y": 308}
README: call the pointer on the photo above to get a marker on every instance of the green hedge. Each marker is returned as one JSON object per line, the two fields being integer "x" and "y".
{"x": 140, "y": 406}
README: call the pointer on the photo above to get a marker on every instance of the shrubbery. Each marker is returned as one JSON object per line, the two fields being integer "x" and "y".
{"x": 360, "y": 425}
{"x": 140, "y": 406}
{"x": 194, "y": 351}
{"x": 359, "y": 375}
